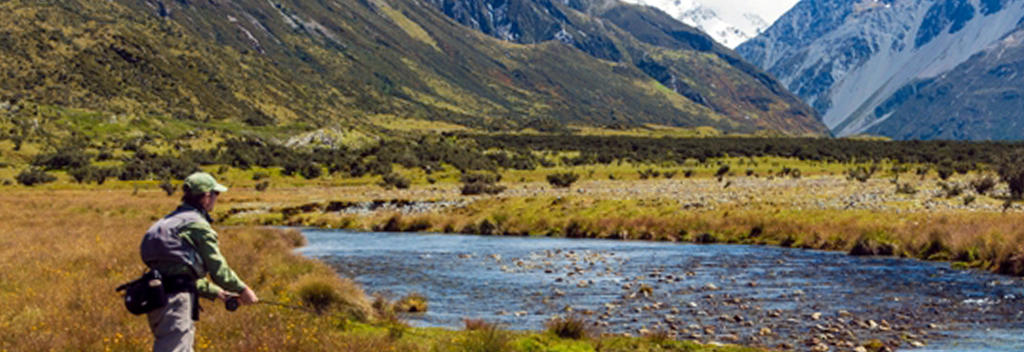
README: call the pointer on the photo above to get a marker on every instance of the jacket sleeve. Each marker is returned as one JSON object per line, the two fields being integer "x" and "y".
{"x": 204, "y": 239}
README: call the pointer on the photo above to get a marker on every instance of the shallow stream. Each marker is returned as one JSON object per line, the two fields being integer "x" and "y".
{"x": 754, "y": 295}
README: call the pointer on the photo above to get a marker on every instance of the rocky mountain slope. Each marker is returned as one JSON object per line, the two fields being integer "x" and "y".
{"x": 678, "y": 56}
{"x": 303, "y": 64}
{"x": 896, "y": 67}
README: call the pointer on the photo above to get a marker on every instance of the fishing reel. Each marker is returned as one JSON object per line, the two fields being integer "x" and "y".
{"x": 231, "y": 304}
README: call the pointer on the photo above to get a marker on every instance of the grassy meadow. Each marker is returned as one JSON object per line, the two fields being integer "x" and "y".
{"x": 67, "y": 243}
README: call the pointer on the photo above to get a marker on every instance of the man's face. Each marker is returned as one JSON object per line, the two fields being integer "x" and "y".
{"x": 209, "y": 200}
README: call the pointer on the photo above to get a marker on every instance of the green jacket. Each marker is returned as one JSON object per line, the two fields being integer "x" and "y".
{"x": 201, "y": 236}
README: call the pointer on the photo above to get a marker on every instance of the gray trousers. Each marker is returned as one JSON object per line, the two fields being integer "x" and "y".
{"x": 172, "y": 325}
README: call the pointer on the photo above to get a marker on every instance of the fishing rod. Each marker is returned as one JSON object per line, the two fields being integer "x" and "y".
{"x": 232, "y": 305}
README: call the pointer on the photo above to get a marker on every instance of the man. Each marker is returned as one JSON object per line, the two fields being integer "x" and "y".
{"x": 182, "y": 247}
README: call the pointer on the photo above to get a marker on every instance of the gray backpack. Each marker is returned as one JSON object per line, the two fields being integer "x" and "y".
{"x": 162, "y": 243}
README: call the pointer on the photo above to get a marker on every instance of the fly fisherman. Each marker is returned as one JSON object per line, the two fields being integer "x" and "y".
{"x": 182, "y": 247}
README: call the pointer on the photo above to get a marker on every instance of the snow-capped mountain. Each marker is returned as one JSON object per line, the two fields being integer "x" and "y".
{"x": 858, "y": 62}
{"x": 727, "y": 29}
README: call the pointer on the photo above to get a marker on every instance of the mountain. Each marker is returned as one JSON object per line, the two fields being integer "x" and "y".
{"x": 904, "y": 69}
{"x": 679, "y": 57}
{"x": 296, "y": 65}
{"x": 729, "y": 33}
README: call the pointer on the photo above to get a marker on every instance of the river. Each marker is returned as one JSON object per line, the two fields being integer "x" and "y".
{"x": 754, "y": 295}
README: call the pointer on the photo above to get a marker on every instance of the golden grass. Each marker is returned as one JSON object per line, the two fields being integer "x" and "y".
{"x": 62, "y": 253}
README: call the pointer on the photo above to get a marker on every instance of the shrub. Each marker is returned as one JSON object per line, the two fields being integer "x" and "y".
{"x": 649, "y": 173}
{"x": 722, "y": 171}
{"x": 983, "y": 185}
{"x": 905, "y": 188}
{"x": 952, "y": 189}
{"x": 861, "y": 174}
{"x": 34, "y": 176}
{"x": 969, "y": 199}
{"x": 64, "y": 158}
{"x": 481, "y": 184}
{"x": 257, "y": 176}
{"x": 944, "y": 171}
{"x": 91, "y": 173}
{"x": 168, "y": 187}
{"x": 395, "y": 180}
{"x": 571, "y": 327}
{"x": 563, "y": 180}
{"x": 311, "y": 171}
{"x": 1011, "y": 170}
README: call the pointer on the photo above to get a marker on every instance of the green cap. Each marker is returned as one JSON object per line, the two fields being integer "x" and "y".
{"x": 202, "y": 182}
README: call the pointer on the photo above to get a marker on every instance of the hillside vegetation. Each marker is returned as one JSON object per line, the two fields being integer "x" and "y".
{"x": 301, "y": 65}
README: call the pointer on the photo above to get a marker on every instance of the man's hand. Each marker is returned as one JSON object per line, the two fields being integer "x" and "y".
{"x": 249, "y": 297}
{"x": 224, "y": 295}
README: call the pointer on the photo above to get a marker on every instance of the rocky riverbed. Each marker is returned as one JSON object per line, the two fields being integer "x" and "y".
{"x": 774, "y": 297}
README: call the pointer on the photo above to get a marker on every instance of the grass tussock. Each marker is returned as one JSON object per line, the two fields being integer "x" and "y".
{"x": 412, "y": 303}
{"x": 568, "y": 327}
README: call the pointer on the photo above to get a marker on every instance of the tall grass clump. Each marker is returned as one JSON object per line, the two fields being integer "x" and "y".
{"x": 412, "y": 303}
{"x": 324, "y": 294}
{"x": 481, "y": 336}
{"x": 569, "y": 327}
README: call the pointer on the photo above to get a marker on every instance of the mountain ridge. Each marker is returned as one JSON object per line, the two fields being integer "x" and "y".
{"x": 858, "y": 62}
{"x": 314, "y": 64}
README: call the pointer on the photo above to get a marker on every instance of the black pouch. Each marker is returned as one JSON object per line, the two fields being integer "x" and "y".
{"x": 145, "y": 294}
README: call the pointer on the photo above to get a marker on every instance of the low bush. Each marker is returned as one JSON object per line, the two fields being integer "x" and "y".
{"x": 951, "y": 189}
{"x": 93, "y": 174}
{"x": 34, "y": 176}
{"x": 983, "y": 184}
{"x": 395, "y": 180}
{"x": 649, "y": 173}
{"x": 1011, "y": 170}
{"x": 481, "y": 184}
{"x": 563, "y": 180}
{"x": 905, "y": 188}
{"x": 64, "y": 158}
{"x": 722, "y": 171}
{"x": 861, "y": 174}
{"x": 168, "y": 187}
